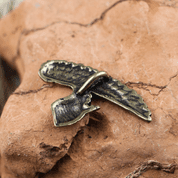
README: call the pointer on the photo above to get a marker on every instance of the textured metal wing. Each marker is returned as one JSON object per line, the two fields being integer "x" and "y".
{"x": 77, "y": 76}
{"x": 118, "y": 93}
{"x": 71, "y": 109}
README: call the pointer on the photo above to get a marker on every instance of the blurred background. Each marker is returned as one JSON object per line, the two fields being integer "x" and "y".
{"x": 9, "y": 79}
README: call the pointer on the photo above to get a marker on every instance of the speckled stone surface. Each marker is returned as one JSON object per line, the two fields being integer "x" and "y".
{"x": 134, "y": 42}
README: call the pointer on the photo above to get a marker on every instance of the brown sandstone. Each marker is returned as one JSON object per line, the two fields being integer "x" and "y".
{"x": 134, "y": 42}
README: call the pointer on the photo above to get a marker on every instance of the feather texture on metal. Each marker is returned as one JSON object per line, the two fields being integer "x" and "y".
{"x": 84, "y": 81}
{"x": 77, "y": 76}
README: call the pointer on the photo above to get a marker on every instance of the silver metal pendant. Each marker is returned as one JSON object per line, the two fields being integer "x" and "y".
{"x": 84, "y": 81}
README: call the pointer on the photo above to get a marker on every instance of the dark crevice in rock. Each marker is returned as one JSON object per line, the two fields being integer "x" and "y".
{"x": 151, "y": 164}
{"x": 51, "y": 151}
{"x": 145, "y": 86}
{"x": 56, "y": 167}
{"x": 97, "y": 19}
{"x": 26, "y": 32}
{"x": 32, "y": 91}
{"x": 174, "y": 76}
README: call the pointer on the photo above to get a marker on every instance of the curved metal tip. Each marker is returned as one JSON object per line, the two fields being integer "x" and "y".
{"x": 149, "y": 119}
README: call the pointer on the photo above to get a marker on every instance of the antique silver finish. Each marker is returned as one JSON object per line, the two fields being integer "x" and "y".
{"x": 84, "y": 81}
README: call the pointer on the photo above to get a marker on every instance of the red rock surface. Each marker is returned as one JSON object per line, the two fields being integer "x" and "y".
{"x": 136, "y": 43}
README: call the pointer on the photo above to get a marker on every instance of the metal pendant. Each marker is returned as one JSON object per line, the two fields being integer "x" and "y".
{"x": 85, "y": 81}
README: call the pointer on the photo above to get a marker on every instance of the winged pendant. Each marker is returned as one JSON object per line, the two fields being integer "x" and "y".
{"x": 86, "y": 81}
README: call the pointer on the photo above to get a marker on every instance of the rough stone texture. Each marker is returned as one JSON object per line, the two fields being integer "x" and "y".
{"x": 135, "y": 42}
